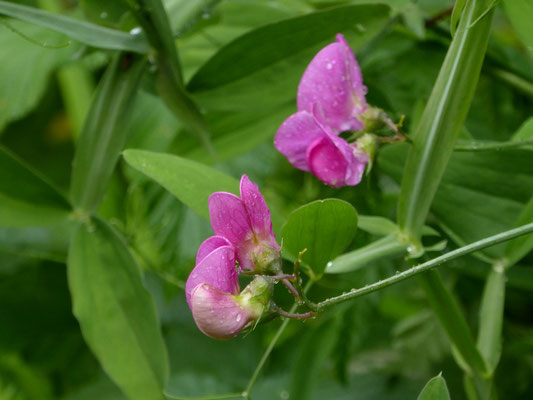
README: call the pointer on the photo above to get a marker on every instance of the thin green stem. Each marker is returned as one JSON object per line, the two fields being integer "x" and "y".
{"x": 281, "y": 329}
{"x": 524, "y": 85}
{"x": 487, "y": 146}
{"x": 473, "y": 247}
{"x": 214, "y": 397}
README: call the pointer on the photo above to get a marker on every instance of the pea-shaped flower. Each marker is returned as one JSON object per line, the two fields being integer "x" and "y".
{"x": 219, "y": 308}
{"x": 244, "y": 222}
{"x": 331, "y": 100}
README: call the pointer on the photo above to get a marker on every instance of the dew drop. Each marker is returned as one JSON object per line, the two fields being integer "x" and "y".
{"x": 136, "y": 31}
{"x": 329, "y": 65}
{"x": 103, "y": 15}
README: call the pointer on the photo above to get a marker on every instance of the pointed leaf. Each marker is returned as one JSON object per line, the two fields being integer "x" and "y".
{"x": 189, "y": 181}
{"x": 85, "y": 32}
{"x": 263, "y": 67}
{"x": 104, "y": 134}
{"x": 116, "y": 314}
{"x": 435, "y": 389}
{"x": 443, "y": 117}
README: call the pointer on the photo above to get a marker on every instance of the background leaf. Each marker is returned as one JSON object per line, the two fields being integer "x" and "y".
{"x": 85, "y": 32}
{"x": 325, "y": 228}
{"x": 103, "y": 136}
{"x": 435, "y": 389}
{"x": 520, "y": 13}
{"x": 263, "y": 66}
{"x": 27, "y": 199}
{"x": 116, "y": 314}
{"x": 189, "y": 181}
{"x": 21, "y": 89}
{"x": 314, "y": 350}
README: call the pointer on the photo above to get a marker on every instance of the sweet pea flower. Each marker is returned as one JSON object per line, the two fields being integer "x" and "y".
{"x": 244, "y": 223}
{"x": 219, "y": 308}
{"x": 331, "y": 99}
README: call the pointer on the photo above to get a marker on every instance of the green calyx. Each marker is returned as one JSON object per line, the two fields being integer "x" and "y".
{"x": 256, "y": 296}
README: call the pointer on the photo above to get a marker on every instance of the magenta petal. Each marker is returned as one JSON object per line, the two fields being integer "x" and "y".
{"x": 217, "y": 269}
{"x": 258, "y": 211}
{"x": 229, "y": 217}
{"x": 333, "y": 80}
{"x": 356, "y": 168}
{"x": 216, "y": 313}
{"x": 210, "y": 244}
{"x": 327, "y": 162}
{"x": 294, "y": 137}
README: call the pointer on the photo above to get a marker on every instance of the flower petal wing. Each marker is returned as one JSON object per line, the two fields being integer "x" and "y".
{"x": 210, "y": 244}
{"x": 327, "y": 162}
{"x": 217, "y": 269}
{"x": 294, "y": 137}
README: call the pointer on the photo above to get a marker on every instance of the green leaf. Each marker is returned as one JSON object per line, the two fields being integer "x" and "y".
{"x": 234, "y": 133}
{"x": 85, "y": 32}
{"x": 525, "y": 132}
{"x": 26, "y": 66}
{"x": 377, "y": 225}
{"x": 314, "y": 351}
{"x": 27, "y": 198}
{"x": 103, "y": 135}
{"x": 518, "y": 248}
{"x": 382, "y": 249}
{"x": 324, "y": 227}
{"x": 487, "y": 200}
{"x": 262, "y": 68}
{"x": 446, "y": 308}
{"x": 152, "y": 16}
{"x": 189, "y": 181}
{"x": 456, "y": 14}
{"x": 442, "y": 120}
{"x": 44, "y": 242}
{"x": 520, "y": 13}
{"x": 489, "y": 341}
{"x": 435, "y": 389}
{"x": 116, "y": 314}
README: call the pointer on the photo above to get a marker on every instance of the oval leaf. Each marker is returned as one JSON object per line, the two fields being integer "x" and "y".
{"x": 435, "y": 389}
{"x": 116, "y": 314}
{"x": 324, "y": 227}
{"x": 189, "y": 181}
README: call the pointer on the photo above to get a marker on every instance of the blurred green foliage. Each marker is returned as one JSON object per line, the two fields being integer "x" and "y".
{"x": 241, "y": 61}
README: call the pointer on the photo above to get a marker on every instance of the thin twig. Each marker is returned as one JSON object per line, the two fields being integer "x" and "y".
{"x": 471, "y": 248}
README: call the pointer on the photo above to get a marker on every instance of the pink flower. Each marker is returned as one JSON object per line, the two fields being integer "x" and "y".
{"x": 331, "y": 100}
{"x": 244, "y": 222}
{"x": 243, "y": 233}
{"x": 212, "y": 290}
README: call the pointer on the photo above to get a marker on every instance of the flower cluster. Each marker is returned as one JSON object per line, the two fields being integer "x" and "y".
{"x": 331, "y": 100}
{"x": 243, "y": 236}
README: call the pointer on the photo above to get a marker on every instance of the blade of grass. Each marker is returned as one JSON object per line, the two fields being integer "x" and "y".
{"x": 82, "y": 31}
{"x": 103, "y": 136}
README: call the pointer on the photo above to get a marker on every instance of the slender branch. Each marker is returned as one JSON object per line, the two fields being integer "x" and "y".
{"x": 473, "y": 247}
{"x": 214, "y": 397}
{"x": 291, "y": 315}
{"x": 484, "y": 146}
